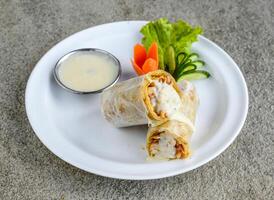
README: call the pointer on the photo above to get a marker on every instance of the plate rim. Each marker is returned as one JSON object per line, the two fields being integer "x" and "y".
{"x": 141, "y": 177}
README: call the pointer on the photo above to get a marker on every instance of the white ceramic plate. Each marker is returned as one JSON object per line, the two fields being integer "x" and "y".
{"x": 72, "y": 127}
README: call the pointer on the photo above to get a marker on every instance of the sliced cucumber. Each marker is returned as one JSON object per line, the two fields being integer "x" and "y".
{"x": 171, "y": 59}
{"x": 180, "y": 57}
{"x": 181, "y": 68}
{"x": 193, "y": 56}
{"x": 199, "y": 63}
{"x": 194, "y": 75}
{"x": 189, "y": 67}
{"x": 189, "y": 58}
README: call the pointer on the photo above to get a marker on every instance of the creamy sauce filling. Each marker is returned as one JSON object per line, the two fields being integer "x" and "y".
{"x": 165, "y": 149}
{"x": 167, "y": 100}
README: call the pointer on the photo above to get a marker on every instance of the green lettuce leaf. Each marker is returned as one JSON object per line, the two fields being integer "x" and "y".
{"x": 179, "y": 35}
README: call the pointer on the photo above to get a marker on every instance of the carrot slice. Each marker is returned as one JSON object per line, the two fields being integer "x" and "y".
{"x": 140, "y": 54}
{"x": 137, "y": 69}
{"x": 153, "y": 52}
{"x": 149, "y": 65}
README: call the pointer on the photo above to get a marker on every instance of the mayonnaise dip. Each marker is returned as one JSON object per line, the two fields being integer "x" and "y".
{"x": 88, "y": 70}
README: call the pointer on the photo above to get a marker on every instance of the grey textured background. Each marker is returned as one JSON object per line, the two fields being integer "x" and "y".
{"x": 28, "y": 29}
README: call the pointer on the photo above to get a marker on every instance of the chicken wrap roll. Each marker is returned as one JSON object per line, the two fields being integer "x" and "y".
{"x": 153, "y": 98}
{"x": 171, "y": 139}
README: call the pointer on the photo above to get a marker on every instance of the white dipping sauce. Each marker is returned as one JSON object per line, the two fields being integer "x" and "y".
{"x": 88, "y": 71}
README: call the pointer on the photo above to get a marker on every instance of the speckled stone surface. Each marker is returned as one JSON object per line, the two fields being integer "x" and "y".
{"x": 28, "y": 170}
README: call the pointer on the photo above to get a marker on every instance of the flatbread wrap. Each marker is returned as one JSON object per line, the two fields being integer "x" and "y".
{"x": 153, "y": 99}
{"x": 171, "y": 139}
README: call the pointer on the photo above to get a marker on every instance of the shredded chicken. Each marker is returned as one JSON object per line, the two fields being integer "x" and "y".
{"x": 165, "y": 146}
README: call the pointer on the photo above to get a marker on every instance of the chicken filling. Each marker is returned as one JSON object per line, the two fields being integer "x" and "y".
{"x": 165, "y": 146}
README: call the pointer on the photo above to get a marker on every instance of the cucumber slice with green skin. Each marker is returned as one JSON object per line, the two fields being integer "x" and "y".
{"x": 190, "y": 58}
{"x": 178, "y": 69}
{"x": 186, "y": 58}
{"x": 183, "y": 55}
{"x": 171, "y": 59}
{"x": 199, "y": 63}
{"x": 189, "y": 67}
{"x": 194, "y": 75}
{"x": 193, "y": 56}
{"x": 184, "y": 68}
